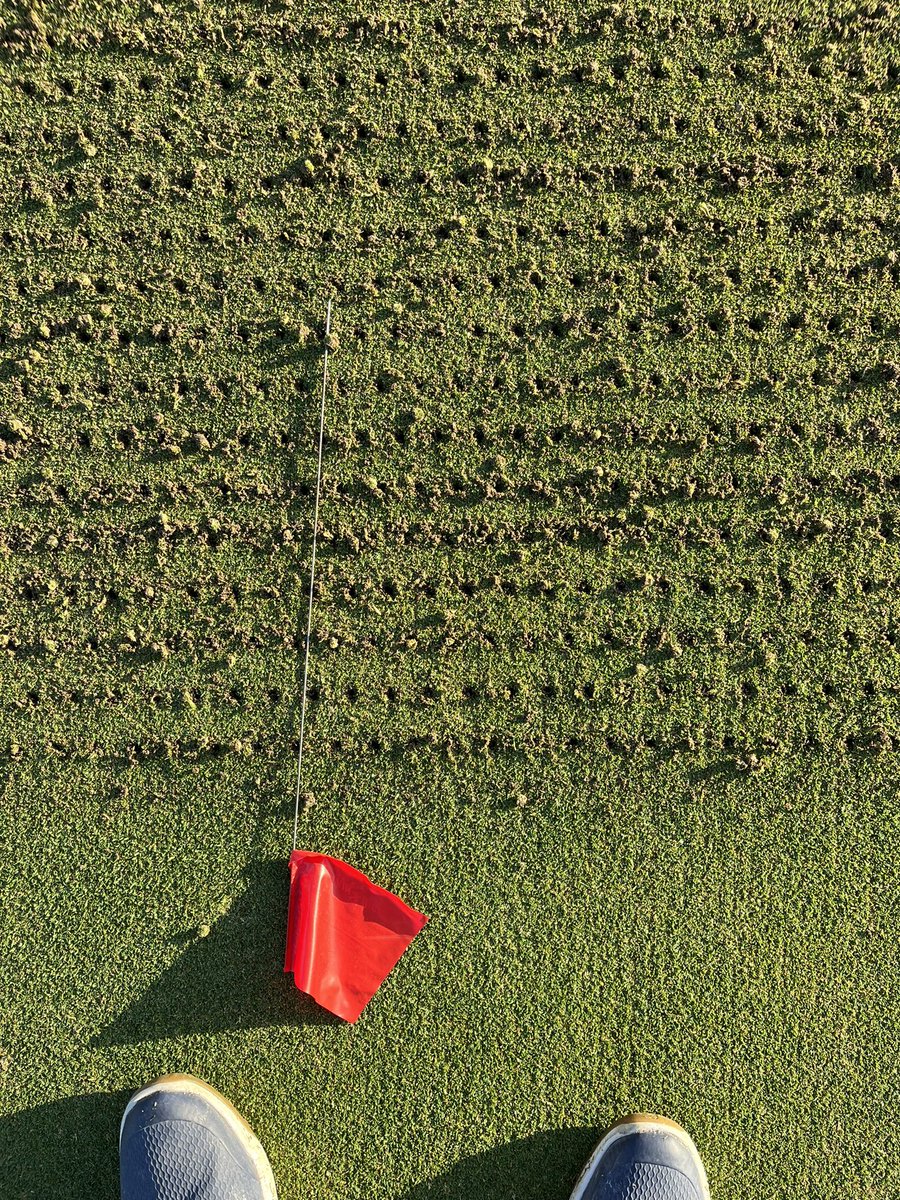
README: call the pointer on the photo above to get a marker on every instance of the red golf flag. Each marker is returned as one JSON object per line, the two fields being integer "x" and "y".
{"x": 345, "y": 935}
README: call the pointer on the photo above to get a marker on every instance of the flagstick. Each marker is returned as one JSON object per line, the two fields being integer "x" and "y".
{"x": 312, "y": 578}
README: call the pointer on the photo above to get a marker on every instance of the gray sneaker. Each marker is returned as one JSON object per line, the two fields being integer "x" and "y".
{"x": 643, "y": 1157}
{"x": 180, "y": 1140}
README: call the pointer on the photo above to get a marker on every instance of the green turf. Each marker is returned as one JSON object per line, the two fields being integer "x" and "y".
{"x": 606, "y": 656}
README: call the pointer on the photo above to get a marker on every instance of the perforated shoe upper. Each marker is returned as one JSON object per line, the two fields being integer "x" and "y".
{"x": 177, "y": 1146}
{"x": 645, "y": 1181}
{"x": 647, "y": 1165}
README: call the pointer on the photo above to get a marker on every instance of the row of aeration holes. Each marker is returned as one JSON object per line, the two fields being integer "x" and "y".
{"x": 450, "y": 280}
{"x": 301, "y": 285}
{"x": 578, "y": 280}
{"x": 825, "y": 584}
{"x": 387, "y": 183}
{"x": 138, "y": 492}
{"x": 605, "y": 489}
{"x": 732, "y": 524}
{"x": 230, "y": 594}
{"x": 68, "y": 287}
{"x": 275, "y": 639}
{"x": 624, "y": 178}
{"x": 718, "y": 322}
{"x": 618, "y": 490}
{"x": 619, "y": 433}
{"x": 591, "y": 690}
{"x": 469, "y": 693}
{"x": 532, "y": 29}
{"x": 108, "y": 86}
{"x": 192, "y": 749}
{"x": 363, "y": 438}
{"x": 222, "y": 387}
{"x": 226, "y": 81}
{"x": 261, "y": 539}
{"x": 272, "y": 638}
{"x": 498, "y": 744}
{"x": 622, "y": 586}
{"x": 482, "y": 134}
{"x": 439, "y": 436}
{"x": 274, "y": 534}
{"x": 626, "y": 432}
{"x": 230, "y": 83}
{"x": 225, "y": 592}
{"x": 841, "y": 322}
{"x": 234, "y": 697}
{"x": 185, "y": 180}
{"x": 688, "y": 638}
{"x": 461, "y": 77}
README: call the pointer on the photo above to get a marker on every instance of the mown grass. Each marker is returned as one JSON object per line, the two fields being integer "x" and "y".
{"x": 605, "y": 663}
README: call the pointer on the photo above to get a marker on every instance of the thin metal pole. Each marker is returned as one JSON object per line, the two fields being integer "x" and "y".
{"x": 312, "y": 578}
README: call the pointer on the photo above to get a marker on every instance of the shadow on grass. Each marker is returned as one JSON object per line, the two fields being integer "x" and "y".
{"x": 721, "y": 770}
{"x": 67, "y": 1149}
{"x": 543, "y": 1166}
{"x": 231, "y": 979}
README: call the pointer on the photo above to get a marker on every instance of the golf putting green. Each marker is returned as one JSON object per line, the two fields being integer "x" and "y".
{"x": 605, "y": 668}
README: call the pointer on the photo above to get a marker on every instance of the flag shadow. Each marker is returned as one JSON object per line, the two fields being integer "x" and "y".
{"x": 543, "y": 1166}
{"x": 231, "y": 979}
{"x": 67, "y": 1149}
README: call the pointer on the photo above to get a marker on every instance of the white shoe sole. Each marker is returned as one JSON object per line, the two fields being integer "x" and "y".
{"x": 226, "y": 1110}
{"x": 640, "y": 1123}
